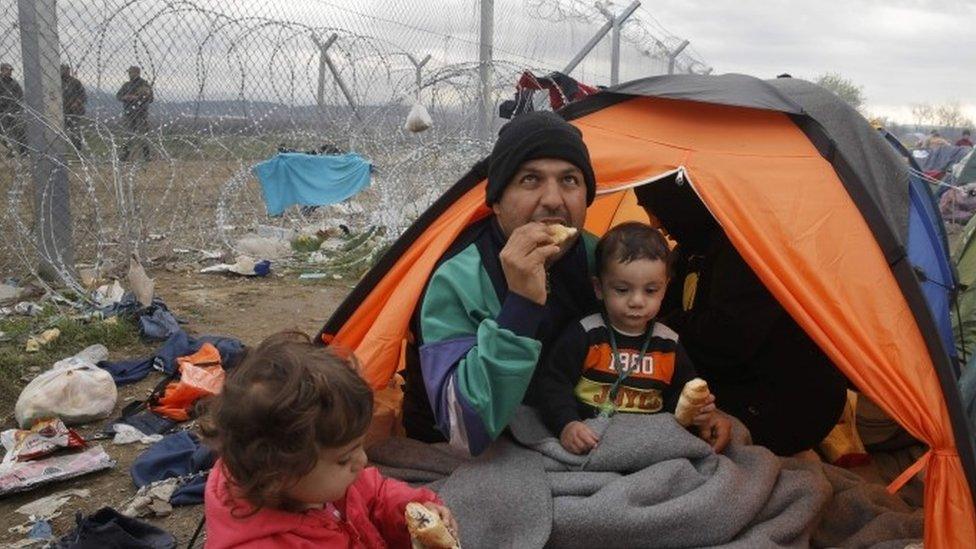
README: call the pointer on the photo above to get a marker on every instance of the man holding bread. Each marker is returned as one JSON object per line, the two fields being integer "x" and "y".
{"x": 505, "y": 288}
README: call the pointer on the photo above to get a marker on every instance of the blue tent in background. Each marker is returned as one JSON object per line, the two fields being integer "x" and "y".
{"x": 928, "y": 249}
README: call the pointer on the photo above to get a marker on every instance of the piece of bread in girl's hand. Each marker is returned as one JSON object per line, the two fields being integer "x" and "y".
{"x": 560, "y": 233}
{"x": 427, "y": 530}
{"x": 693, "y": 396}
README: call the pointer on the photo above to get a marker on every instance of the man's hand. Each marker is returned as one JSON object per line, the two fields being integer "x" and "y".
{"x": 578, "y": 438}
{"x": 524, "y": 260}
{"x": 716, "y": 430}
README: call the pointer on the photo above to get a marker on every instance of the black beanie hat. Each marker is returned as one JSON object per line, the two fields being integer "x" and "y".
{"x": 537, "y": 134}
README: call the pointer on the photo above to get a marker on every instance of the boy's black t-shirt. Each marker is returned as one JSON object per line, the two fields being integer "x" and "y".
{"x": 579, "y": 372}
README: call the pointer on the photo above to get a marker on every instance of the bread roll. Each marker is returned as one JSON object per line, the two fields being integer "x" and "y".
{"x": 693, "y": 396}
{"x": 427, "y": 530}
{"x": 561, "y": 233}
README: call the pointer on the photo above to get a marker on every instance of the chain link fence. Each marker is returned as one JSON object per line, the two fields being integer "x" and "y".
{"x": 130, "y": 127}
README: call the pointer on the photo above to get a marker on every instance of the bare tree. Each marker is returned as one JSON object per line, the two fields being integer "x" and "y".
{"x": 844, "y": 88}
{"x": 923, "y": 114}
{"x": 950, "y": 115}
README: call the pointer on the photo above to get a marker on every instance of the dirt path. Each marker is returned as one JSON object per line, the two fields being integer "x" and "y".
{"x": 248, "y": 309}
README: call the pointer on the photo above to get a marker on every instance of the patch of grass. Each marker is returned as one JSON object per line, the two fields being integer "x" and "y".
{"x": 17, "y": 365}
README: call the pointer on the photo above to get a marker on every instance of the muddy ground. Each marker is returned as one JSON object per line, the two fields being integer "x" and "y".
{"x": 246, "y": 308}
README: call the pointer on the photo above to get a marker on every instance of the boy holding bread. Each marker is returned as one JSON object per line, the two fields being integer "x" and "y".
{"x": 622, "y": 359}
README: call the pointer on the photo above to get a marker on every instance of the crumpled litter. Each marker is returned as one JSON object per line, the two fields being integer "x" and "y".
{"x": 45, "y": 437}
{"x": 49, "y": 507}
{"x": 107, "y": 295}
{"x": 26, "y": 475}
{"x": 34, "y": 343}
{"x": 152, "y": 499}
{"x": 142, "y": 286}
{"x": 127, "y": 434}
{"x": 244, "y": 266}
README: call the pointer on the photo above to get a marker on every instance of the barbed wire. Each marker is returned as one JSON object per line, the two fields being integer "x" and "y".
{"x": 233, "y": 81}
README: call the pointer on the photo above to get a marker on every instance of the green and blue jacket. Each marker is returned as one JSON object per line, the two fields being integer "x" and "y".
{"x": 478, "y": 345}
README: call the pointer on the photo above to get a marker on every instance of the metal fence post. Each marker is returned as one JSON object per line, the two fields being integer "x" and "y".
{"x": 44, "y": 118}
{"x": 674, "y": 55}
{"x": 484, "y": 65}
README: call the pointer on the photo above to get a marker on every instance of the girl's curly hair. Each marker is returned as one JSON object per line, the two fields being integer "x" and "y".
{"x": 286, "y": 401}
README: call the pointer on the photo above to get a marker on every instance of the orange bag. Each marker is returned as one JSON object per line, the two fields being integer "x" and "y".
{"x": 201, "y": 375}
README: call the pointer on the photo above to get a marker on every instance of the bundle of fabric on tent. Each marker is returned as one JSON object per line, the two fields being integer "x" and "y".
{"x": 815, "y": 201}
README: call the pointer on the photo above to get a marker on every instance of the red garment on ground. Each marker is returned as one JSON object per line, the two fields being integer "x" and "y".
{"x": 372, "y": 512}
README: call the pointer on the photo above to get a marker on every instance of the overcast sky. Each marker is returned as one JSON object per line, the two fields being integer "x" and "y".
{"x": 901, "y": 52}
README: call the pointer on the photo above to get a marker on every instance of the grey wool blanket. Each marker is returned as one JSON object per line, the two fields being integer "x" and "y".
{"x": 649, "y": 483}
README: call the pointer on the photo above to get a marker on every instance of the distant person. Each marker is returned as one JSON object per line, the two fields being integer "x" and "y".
{"x": 934, "y": 140}
{"x": 135, "y": 95}
{"x": 965, "y": 141}
{"x": 73, "y": 98}
{"x": 11, "y": 111}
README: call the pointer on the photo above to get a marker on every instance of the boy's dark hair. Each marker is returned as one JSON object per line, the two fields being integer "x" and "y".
{"x": 631, "y": 241}
{"x": 285, "y": 402}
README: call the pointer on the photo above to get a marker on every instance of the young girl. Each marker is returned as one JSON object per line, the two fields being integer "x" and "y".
{"x": 289, "y": 427}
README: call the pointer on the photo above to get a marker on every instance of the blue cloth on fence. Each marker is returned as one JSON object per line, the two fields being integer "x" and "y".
{"x": 178, "y": 454}
{"x": 179, "y": 344}
{"x": 310, "y": 180}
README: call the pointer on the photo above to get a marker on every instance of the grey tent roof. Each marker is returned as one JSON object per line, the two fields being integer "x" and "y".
{"x": 737, "y": 90}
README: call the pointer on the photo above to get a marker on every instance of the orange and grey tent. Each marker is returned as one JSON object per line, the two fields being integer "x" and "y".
{"x": 808, "y": 193}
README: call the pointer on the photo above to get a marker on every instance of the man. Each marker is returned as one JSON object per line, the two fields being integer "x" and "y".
{"x": 504, "y": 291}
{"x": 135, "y": 95}
{"x": 760, "y": 364}
{"x": 965, "y": 141}
{"x": 11, "y": 111}
{"x": 73, "y": 98}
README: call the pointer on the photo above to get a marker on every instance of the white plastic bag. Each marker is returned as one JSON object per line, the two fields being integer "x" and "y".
{"x": 74, "y": 389}
{"x": 419, "y": 119}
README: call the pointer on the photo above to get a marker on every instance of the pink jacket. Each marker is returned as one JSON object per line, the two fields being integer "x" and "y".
{"x": 369, "y": 516}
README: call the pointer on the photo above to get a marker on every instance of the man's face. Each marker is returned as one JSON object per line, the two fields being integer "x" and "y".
{"x": 133, "y": 74}
{"x": 6, "y": 72}
{"x": 546, "y": 190}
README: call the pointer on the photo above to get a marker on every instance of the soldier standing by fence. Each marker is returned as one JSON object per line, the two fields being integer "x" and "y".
{"x": 74, "y": 99}
{"x": 135, "y": 95}
{"x": 11, "y": 111}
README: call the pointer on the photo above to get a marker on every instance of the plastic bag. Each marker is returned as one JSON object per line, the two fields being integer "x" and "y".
{"x": 74, "y": 389}
{"x": 419, "y": 119}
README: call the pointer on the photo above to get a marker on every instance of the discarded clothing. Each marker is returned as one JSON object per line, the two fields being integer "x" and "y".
{"x": 311, "y": 180}
{"x": 157, "y": 323}
{"x": 109, "y": 528}
{"x": 177, "y": 455}
{"x": 148, "y": 422}
{"x": 179, "y": 344}
{"x": 562, "y": 91}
